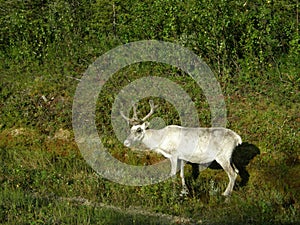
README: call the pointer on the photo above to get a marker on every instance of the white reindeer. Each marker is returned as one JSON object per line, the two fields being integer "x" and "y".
{"x": 184, "y": 144}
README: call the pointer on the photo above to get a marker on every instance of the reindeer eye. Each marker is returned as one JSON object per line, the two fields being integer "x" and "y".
{"x": 139, "y": 130}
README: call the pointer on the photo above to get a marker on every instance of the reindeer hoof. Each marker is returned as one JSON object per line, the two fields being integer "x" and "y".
{"x": 226, "y": 194}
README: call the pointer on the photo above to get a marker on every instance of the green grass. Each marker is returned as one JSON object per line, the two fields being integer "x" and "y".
{"x": 46, "y": 46}
{"x": 44, "y": 179}
{"x": 20, "y": 208}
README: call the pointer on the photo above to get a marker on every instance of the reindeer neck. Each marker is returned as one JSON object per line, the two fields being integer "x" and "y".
{"x": 153, "y": 138}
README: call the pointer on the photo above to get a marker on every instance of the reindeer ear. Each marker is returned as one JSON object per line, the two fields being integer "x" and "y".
{"x": 146, "y": 125}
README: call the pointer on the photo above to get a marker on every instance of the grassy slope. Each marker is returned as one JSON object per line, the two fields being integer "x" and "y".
{"x": 40, "y": 164}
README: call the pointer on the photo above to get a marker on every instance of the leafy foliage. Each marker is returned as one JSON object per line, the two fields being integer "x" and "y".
{"x": 223, "y": 32}
{"x": 45, "y": 47}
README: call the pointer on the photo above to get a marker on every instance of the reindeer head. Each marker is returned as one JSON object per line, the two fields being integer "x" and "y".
{"x": 137, "y": 133}
{"x": 139, "y": 126}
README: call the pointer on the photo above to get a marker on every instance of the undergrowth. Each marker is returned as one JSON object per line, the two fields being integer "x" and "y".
{"x": 46, "y": 46}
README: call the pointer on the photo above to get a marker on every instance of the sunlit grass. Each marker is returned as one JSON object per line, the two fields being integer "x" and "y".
{"x": 43, "y": 175}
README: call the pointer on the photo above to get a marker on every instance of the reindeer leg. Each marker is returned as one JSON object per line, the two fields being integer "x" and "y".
{"x": 232, "y": 174}
{"x": 184, "y": 190}
{"x": 174, "y": 160}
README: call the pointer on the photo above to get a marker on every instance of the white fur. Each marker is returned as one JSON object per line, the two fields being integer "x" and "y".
{"x": 195, "y": 145}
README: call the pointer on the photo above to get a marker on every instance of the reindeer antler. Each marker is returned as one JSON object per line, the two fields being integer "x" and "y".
{"x": 153, "y": 107}
{"x": 135, "y": 119}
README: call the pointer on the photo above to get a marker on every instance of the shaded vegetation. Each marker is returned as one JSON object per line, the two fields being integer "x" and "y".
{"x": 45, "y": 47}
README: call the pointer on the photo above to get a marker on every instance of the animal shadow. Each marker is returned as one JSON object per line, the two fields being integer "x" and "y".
{"x": 241, "y": 157}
